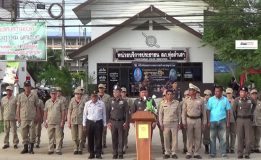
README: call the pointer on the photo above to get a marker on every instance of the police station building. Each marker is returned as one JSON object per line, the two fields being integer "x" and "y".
{"x": 149, "y": 51}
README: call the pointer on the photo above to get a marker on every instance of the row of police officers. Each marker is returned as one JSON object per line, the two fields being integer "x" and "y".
{"x": 91, "y": 116}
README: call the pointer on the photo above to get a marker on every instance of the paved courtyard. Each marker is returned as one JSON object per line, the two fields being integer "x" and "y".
{"x": 41, "y": 153}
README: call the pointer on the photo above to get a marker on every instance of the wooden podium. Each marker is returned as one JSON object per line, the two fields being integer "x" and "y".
{"x": 143, "y": 121}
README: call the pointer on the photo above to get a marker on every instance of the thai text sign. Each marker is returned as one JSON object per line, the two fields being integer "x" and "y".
{"x": 179, "y": 54}
{"x": 23, "y": 41}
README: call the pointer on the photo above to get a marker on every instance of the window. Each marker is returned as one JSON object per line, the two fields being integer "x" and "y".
{"x": 143, "y": 26}
{"x": 157, "y": 26}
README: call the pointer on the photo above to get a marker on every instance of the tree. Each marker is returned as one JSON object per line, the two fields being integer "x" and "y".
{"x": 51, "y": 73}
{"x": 234, "y": 20}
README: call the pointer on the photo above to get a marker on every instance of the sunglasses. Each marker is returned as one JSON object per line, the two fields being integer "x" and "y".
{"x": 206, "y": 95}
{"x": 229, "y": 93}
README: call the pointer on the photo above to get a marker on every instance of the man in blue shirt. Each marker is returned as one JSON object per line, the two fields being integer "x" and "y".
{"x": 218, "y": 111}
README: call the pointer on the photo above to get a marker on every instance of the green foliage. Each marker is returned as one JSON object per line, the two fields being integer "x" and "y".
{"x": 234, "y": 20}
{"x": 222, "y": 79}
{"x": 50, "y": 72}
{"x": 79, "y": 75}
{"x": 34, "y": 68}
{"x": 55, "y": 77}
{"x": 256, "y": 79}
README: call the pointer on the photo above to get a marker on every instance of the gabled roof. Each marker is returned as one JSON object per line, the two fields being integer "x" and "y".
{"x": 83, "y": 5}
{"x": 132, "y": 19}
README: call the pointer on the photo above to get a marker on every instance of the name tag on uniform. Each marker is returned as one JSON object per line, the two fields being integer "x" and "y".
{"x": 121, "y": 102}
{"x": 249, "y": 101}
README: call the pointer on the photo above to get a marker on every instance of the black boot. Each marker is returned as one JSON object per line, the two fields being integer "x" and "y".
{"x": 31, "y": 150}
{"x": 206, "y": 149}
{"x": 25, "y": 150}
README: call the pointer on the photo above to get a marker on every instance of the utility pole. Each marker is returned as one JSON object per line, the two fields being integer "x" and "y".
{"x": 14, "y": 11}
{"x": 63, "y": 35}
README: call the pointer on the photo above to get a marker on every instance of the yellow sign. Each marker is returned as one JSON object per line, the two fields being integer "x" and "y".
{"x": 143, "y": 131}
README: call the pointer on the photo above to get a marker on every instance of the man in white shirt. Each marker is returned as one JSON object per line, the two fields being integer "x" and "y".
{"x": 94, "y": 119}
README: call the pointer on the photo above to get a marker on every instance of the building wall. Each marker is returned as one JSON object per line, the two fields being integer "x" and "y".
{"x": 4, "y": 12}
{"x": 176, "y": 37}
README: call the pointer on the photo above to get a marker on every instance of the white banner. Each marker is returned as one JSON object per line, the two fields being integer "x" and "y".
{"x": 246, "y": 44}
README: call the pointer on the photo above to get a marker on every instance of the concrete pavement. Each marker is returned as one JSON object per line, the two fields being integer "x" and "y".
{"x": 41, "y": 153}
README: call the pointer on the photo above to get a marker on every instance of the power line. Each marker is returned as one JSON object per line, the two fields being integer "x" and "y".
{"x": 127, "y": 17}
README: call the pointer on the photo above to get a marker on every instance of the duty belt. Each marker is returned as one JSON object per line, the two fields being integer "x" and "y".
{"x": 95, "y": 121}
{"x": 193, "y": 117}
{"x": 117, "y": 119}
{"x": 244, "y": 117}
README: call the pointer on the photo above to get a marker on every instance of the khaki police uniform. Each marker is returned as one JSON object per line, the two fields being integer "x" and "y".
{"x": 183, "y": 129}
{"x": 86, "y": 98}
{"x": 118, "y": 114}
{"x": 256, "y": 127}
{"x": 169, "y": 118}
{"x": 28, "y": 112}
{"x": 160, "y": 130}
{"x": 75, "y": 113}
{"x": 65, "y": 104}
{"x": 54, "y": 112}
{"x": 38, "y": 127}
{"x": 193, "y": 116}
{"x": 8, "y": 111}
{"x": 106, "y": 99}
{"x": 206, "y": 131}
{"x": 231, "y": 131}
{"x": 244, "y": 108}
{"x": 126, "y": 130}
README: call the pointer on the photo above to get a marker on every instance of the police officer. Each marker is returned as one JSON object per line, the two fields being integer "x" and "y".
{"x": 139, "y": 104}
{"x": 118, "y": 116}
{"x": 231, "y": 130}
{"x": 256, "y": 131}
{"x": 105, "y": 98}
{"x": 183, "y": 129}
{"x": 65, "y": 103}
{"x": 27, "y": 115}
{"x": 54, "y": 113}
{"x": 8, "y": 111}
{"x": 176, "y": 91}
{"x": 206, "y": 131}
{"x": 193, "y": 118}
{"x": 244, "y": 108}
{"x": 126, "y": 130}
{"x": 169, "y": 119}
{"x": 75, "y": 118}
{"x": 85, "y": 98}
{"x": 158, "y": 124}
{"x": 38, "y": 127}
